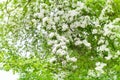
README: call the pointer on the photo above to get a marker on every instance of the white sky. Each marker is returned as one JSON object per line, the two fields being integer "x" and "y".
{"x": 8, "y": 75}
{"x": 2, "y": 1}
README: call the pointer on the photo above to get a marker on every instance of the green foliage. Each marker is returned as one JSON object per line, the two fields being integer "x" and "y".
{"x": 18, "y": 23}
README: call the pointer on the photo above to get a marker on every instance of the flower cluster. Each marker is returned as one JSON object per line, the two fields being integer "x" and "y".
{"x": 69, "y": 24}
{"x": 60, "y": 27}
{"x": 98, "y": 70}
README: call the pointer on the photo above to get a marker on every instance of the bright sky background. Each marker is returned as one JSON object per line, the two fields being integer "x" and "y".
{"x": 2, "y": 1}
{"x": 8, "y": 75}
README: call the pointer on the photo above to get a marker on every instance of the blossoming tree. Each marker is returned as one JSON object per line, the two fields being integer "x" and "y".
{"x": 60, "y": 39}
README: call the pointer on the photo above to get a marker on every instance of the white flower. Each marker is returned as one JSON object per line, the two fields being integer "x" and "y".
{"x": 25, "y": 54}
{"x": 74, "y": 67}
{"x": 117, "y": 54}
{"x": 39, "y": 15}
{"x": 55, "y": 47}
{"x": 44, "y": 32}
{"x": 6, "y": 18}
{"x": 108, "y": 57}
{"x": 116, "y": 20}
{"x": 52, "y": 59}
{"x": 64, "y": 47}
{"x": 91, "y": 73}
{"x": 72, "y": 26}
{"x": 64, "y": 63}
{"x": 80, "y": 4}
{"x": 101, "y": 41}
{"x": 77, "y": 24}
{"x": 53, "y": 27}
{"x": 50, "y": 42}
{"x": 83, "y": 24}
{"x": 10, "y": 41}
{"x": 64, "y": 27}
{"x": 45, "y": 19}
{"x": 73, "y": 59}
{"x": 39, "y": 26}
{"x": 67, "y": 57}
{"x": 78, "y": 42}
{"x": 51, "y": 35}
{"x": 60, "y": 12}
{"x": 52, "y": 14}
{"x": 96, "y": 23}
{"x": 62, "y": 38}
{"x": 56, "y": 19}
{"x": 86, "y": 43}
{"x": 99, "y": 67}
{"x": 103, "y": 48}
{"x": 107, "y": 31}
{"x": 72, "y": 13}
{"x": 94, "y": 31}
{"x": 61, "y": 52}
{"x": 100, "y": 64}
{"x": 60, "y": 76}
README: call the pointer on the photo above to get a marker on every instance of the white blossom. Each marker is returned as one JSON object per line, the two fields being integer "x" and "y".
{"x": 56, "y": 19}
{"x": 106, "y": 31}
{"x": 86, "y": 43}
{"x": 73, "y": 59}
{"x": 60, "y": 76}
{"x": 91, "y": 73}
{"x": 80, "y": 4}
{"x": 94, "y": 31}
{"x": 72, "y": 13}
{"x": 103, "y": 48}
{"x": 51, "y": 60}
{"x": 45, "y": 19}
{"x": 74, "y": 67}
{"x": 61, "y": 52}
{"x": 101, "y": 40}
{"x": 117, "y": 54}
{"x": 100, "y": 66}
{"x": 64, "y": 63}
{"x": 78, "y": 42}
{"x": 108, "y": 57}
{"x": 51, "y": 35}
{"x": 64, "y": 27}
